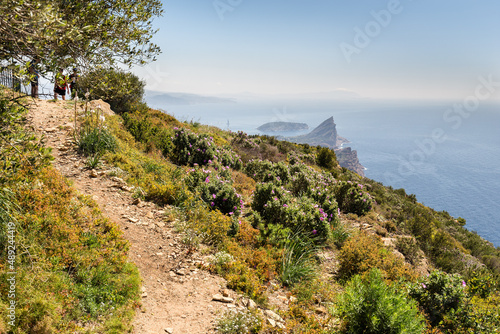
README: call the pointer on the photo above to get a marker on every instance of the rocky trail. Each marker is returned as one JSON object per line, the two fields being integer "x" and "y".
{"x": 177, "y": 296}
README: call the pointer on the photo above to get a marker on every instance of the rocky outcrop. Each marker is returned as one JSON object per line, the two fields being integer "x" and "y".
{"x": 283, "y": 127}
{"x": 326, "y": 135}
{"x": 348, "y": 158}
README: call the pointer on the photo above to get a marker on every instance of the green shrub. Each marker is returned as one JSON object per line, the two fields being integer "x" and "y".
{"x": 210, "y": 225}
{"x": 481, "y": 283}
{"x": 193, "y": 149}
{"x": 326, "y": 158}
{"x": 123, "y": 91}
{"x": 215, "y": 189}
{"x": 276, "y": 206}
{"x": 150, "y": 130}
{"x": 370, "y": 306}
{"x": 352, "y": 198}
{"x": 439, "y": 294}
{"x": 266, "y": 171}
{"x": 409, "y": 248}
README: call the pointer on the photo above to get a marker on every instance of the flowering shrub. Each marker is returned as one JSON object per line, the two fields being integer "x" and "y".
{"x": 215, "y": 189}
{"x": 241, "y": 138}
{"x": 193, "y": 149}
{"x": 352, "y": 198}
{"x": 439, "y": 294}
{"x": 301, "y": 179}
{"x": 266, "y": 171}
{"x": 276, "y": 206}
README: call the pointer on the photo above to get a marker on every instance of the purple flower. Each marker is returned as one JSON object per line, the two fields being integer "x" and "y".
{"x": 214, "y": 196}
{"x": 212, "y": 204}
{"x": 285, "y": 206}
{"x": 231, "y": 213}
{"x": 463, "y": 284}
{"x": 207, "y": 180}
{"x": 314, "y": 231}
{"x": 424, "y": 286}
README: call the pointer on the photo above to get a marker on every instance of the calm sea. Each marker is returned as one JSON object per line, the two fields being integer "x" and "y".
{"x": 449, "y": 161}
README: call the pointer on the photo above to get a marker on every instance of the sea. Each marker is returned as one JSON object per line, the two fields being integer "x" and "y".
{"x": 445, "y": 154}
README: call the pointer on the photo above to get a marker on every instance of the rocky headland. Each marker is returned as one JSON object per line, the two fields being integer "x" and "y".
{"x": 326, "y": 135}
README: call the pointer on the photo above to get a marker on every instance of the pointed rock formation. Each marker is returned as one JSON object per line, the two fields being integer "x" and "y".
{"x": 326, "y": 135}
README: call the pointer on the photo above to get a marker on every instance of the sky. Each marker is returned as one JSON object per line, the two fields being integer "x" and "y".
{"x": 434, "y": 49}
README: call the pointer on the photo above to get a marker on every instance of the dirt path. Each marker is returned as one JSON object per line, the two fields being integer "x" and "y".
{"x": 176, "y": 294}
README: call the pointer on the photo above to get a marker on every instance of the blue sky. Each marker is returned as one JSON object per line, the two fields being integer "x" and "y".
{"x": 416, "y": 49}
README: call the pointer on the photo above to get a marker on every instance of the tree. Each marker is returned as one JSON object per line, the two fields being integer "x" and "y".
{"x": 84, "y": 32}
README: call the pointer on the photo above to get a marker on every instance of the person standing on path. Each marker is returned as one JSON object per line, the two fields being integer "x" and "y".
{"x": 61, "y": 81}
{"x": 34, "y": 79}
{"x": 73, "y": 82}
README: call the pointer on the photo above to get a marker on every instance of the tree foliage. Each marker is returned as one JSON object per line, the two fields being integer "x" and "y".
{"x": 83, "y": 32}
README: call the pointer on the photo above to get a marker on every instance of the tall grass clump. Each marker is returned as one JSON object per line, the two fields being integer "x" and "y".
{"x": 93, "y": 139}
{"x": 298, "y": 261}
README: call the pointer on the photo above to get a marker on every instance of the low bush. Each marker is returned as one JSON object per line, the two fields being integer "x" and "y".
{"x": 238, "y": 322}
{"x": 275, "y": 206}
{"x": 362, "y": 252}
{"x": 211, "y": 225}
{"x": 193, "y": 149}
{"x": 326, "y": 158}
{"x": 266, "y": 171}
{"x": 215, "y": 188}
{"x": 439, "y": 295}
{"x": 370, "y": 306}
{"x": 351, "y": 198}
{"x": 481, "y": 283}
{"x": 409, "y": 248}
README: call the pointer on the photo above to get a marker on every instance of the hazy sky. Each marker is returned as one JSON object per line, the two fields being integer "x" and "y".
{"x": 377, "y": 48}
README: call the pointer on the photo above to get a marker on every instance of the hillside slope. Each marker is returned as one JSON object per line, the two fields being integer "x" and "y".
{"x": 276, "y": 228}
